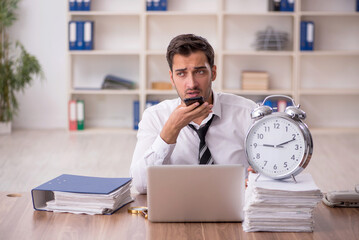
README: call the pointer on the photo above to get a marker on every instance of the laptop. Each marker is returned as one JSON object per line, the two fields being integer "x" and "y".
{"x": 195, "y": 193}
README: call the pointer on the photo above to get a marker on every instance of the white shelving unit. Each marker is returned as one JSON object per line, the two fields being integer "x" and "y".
{"x": 131, "y": 42}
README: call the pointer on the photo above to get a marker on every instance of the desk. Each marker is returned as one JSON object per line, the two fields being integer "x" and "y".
{"x": 18, "y": 220}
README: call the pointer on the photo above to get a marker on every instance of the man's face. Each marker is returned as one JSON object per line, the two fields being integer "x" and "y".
{"x": 192, "y": 76}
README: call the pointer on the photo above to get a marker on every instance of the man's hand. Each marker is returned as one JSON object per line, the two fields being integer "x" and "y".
{"x": 181, "y": 117}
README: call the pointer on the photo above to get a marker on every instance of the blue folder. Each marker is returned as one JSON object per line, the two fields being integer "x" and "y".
{"x": 72, "y": 35}
{"x": 74, "y": 184}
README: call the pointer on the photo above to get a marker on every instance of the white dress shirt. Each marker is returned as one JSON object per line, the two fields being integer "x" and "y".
{"x": 225, "y": 136}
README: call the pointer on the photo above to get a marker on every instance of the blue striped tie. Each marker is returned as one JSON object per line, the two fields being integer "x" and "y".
{"x": 204, "y": 155}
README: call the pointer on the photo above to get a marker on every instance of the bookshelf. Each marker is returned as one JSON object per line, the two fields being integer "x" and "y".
{"x": 131, "y": 42}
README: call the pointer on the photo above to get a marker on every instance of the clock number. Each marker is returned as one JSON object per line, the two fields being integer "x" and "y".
{"x": 266, "y": 129}
{"x": 293, "y": 157}
{"x": 285, "y": 164}
{"x": 258, "y": 156}
{"x": 265, "y": 163}
{"x": 275, "y": 167}
{"x": 294, "y": 136}
{"x": 276, "y": 125}
{"x": 255, "y": 145}
{"x": 296, "y": 147}
{"x": 286, "y": 128}
{"x": 260, "y": 136}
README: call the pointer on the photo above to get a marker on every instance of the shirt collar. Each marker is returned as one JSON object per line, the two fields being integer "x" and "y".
{"x": 217, "y": 110}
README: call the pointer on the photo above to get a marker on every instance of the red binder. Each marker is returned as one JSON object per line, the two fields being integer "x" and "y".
{"x": 72, "y": 115}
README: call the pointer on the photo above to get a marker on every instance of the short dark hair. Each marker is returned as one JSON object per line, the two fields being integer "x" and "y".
{"x": 186, "y": 44}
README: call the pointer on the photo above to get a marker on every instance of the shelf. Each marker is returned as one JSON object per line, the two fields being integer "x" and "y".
{"x": 102, "y": 13}
{"x": 258, "y": 53}
{"x": 329, "y": 14}
{"x": 330, "y": 53}
{"x": 179, "y": 13}
{"x": 329, "y": 92}
{"x": 104, "y": 92}
{"x": 259, "y": 92}
{"x": 161, "y": 92}
{"x": 105, "y": 130}
{"x": 264, "y": 14}
{"x": 131, "y": 42}
{"x": 105, "y": 52}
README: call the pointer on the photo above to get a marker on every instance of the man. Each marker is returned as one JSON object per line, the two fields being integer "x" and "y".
{"x": 168, "y": 131}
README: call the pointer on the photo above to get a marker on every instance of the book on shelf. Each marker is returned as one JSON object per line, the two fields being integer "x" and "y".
{"x": 281, "y": 5}
{"x": 136, "y": 111}
{"x": 81, "y": 35}
{"x": 79, "y": 5}
{"x": 306, "y": 35}
{"x": 254, "y": 80}
{"x": 82, "y": 194}
{"x": 161, "y": 85}
{"x": 277, "y": 105}
{"x": 280, "y": 205}
{"x": 115, "y": 82}
{"x": 156, "y": 5}
{"x": 76, "y": 115}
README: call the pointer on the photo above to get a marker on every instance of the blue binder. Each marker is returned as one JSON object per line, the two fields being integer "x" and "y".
{"x": 86, "y": 5}
{"x": 287, "y": 5}
{"x": 79, "y": 5}
{"x": 88, "y": 35}
{"x": 72, "y": 5}
{"x": 74, "y": 184}
{"x": 163, "y": 5}
{"x": 136, "y": 114}
{"x": 357, "y": 5}
{"x": 303, "y": 35}
{"x": 310, "y": 36}
{"x": 149, "y": 5}
{"x": 290, "y": 5}
{"x": 72, "y": 35}
{"x": 80, "y": 35}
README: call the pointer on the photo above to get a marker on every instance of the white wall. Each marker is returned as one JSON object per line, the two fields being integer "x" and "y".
{"x": 41, "y": 28}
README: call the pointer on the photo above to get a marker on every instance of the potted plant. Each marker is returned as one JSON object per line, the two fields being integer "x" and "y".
{"x": 17, "y": 67}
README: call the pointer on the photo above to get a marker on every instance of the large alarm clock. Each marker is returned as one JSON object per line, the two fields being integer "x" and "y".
{"x": 278, "y": 144}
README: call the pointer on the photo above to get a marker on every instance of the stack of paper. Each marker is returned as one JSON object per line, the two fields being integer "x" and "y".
{"x": 81, "y": 194}
{"x": 280, "y": 206}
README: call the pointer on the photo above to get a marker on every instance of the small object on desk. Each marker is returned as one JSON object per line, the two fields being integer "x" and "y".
{"x": 81, "y": 194}
{"x": 139, "y": 210}
{"x": 341, "y": 199}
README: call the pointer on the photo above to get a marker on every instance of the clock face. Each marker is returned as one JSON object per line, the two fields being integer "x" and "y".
{"x": 275, "y": 146}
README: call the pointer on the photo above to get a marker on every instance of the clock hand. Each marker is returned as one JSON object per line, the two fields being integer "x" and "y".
{"x": 269, "y": 145}
{"x": 286, "y": 142}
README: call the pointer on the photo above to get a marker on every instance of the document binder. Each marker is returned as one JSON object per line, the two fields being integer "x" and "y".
{"x": 88, "y": 35}
{"x": 72, "y": 35}
{"x": 72, "y": 5}
{"x": 79, "y": 5}
{"x": 136, "y": 114}
{"x": 303, "y": 35}
{"x": 76, "y": 184}
{"x": 310, "y": 36}
{"x": 86, "y": 5}
{"x": 72, "y": 115}
{"x": 80, "y": 114}
{"x": 80, "y": 35}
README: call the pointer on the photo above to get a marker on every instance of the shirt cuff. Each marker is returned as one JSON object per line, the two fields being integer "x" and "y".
{"x": 162, "y": 149}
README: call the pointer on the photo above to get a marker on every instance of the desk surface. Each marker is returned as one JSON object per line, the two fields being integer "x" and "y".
{"x": 18, "y": 220}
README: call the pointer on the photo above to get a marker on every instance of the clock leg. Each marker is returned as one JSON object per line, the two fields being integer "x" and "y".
{"x": 294, "y": 178}
{"x": 257, "y": 177}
